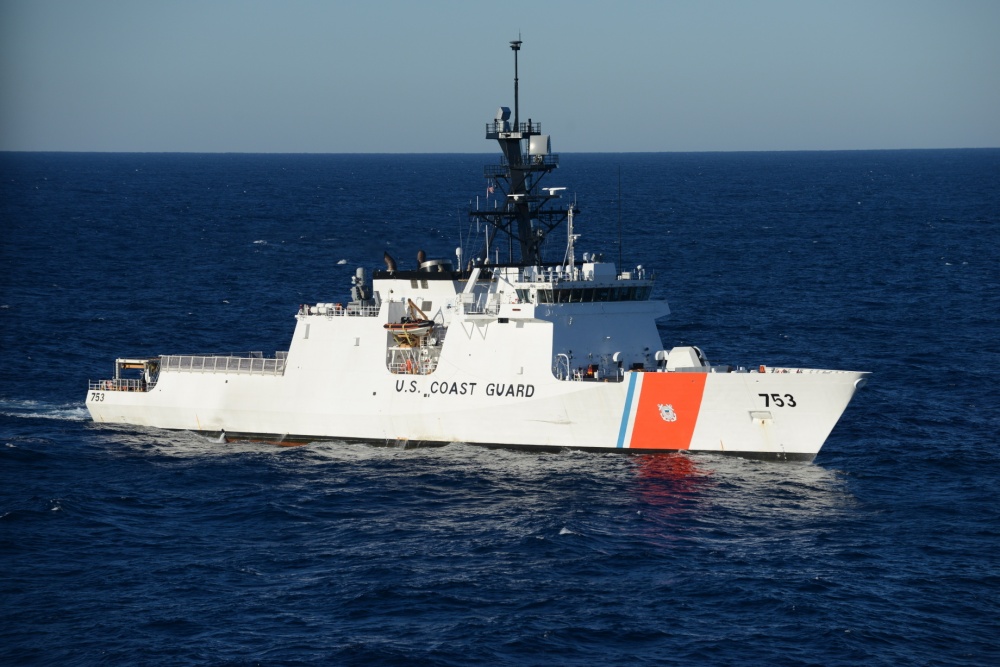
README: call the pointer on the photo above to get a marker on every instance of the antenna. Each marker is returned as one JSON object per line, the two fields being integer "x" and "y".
{"x": 515, "y": 46}
{"x": 570, "y": 241}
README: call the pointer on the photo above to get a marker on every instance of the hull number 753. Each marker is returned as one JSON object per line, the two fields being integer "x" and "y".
{"x": 778, "y": 400}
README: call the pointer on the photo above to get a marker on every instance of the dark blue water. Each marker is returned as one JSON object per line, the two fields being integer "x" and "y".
{"x": 120, "y": 546}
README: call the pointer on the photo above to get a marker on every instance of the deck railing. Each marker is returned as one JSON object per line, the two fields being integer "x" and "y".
{"x": 120, "y": 384}
{"x": 253, "y": 363}
{"x": 339, "y": 310}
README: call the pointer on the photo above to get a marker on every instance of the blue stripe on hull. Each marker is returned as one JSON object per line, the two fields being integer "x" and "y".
{"x": 628, "y": 410}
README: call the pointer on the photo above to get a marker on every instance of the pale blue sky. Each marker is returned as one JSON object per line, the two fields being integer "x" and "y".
{"x": 425, "y": 77}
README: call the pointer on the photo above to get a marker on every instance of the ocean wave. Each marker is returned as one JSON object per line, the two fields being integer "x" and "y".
{"x": 30, "y": 409}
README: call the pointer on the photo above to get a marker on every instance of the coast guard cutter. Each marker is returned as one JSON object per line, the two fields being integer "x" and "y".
{"x": 520, "y": 354}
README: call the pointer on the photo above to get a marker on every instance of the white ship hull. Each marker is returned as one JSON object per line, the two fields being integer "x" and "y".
{"x": 489, "y": 388}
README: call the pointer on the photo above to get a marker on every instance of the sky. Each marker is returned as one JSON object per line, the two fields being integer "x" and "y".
{"x": 424, "y": 76}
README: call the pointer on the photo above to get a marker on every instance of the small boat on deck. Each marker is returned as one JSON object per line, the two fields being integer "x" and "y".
{"x": 409, "y": 330}
{"x": 411, "y": 327}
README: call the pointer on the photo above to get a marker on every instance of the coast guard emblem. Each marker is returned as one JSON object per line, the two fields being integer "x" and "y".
{"x": 667, "y": 413}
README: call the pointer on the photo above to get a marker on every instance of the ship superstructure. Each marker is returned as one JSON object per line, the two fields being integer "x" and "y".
{"x": 508, "y": 350}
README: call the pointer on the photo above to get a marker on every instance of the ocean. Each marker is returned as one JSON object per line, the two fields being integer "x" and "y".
{"x": 139, "y": 546}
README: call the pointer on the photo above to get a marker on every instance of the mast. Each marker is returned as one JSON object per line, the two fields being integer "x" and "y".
{"x": 523, "y": 213}
{"x": 515, "y": 46}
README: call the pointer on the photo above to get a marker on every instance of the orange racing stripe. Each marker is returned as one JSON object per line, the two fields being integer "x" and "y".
{"x": 668, "y": 410}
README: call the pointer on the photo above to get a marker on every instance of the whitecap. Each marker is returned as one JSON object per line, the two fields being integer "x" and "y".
{"x": 39, "y": 410}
